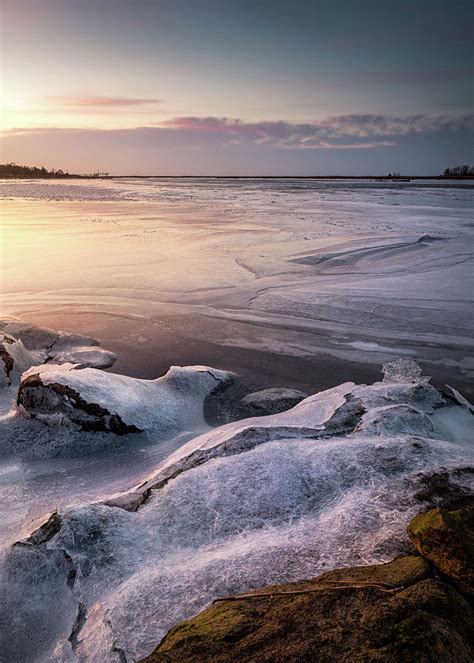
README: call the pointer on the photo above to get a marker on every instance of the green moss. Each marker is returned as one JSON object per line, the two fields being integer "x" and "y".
{"x": 446, "y": 538}
{"x": 223, "y": 621}
{"x": 427, "y": 621}
{"x": 400, "y": 571}
{"x": 425, "y": 521}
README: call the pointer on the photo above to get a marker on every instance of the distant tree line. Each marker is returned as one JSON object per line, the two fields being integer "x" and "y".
{"x": 459, "y": 171}
{"x": 11, "y": 170}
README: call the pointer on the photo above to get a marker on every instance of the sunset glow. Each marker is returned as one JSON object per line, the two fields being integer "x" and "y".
{"x": 256, "y": 89}
{"x": 236, "y": 331}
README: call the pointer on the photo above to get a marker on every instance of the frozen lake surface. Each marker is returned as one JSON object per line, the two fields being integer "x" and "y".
{"x": 301, "y": 283}
{"x": 287, "y": 283}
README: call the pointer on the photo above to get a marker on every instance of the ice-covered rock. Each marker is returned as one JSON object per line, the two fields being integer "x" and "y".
{"x": 403, "y": 370}
{"x": 271, "y": 401}
{"x": 14, "y": 359}
{"x": 32, "y": 336}
{"x": 100, "y": 401}
{"x": 383, "y": 409}
{"x": 86, "y": 357}
{"x": 43, "y": 339}
{"x": 329, "y": 483}
{"x": 321, "y": 415}
{"x": 48, "y": 345}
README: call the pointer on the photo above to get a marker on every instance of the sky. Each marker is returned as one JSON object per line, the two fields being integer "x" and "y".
{"x": 237, "y": 87}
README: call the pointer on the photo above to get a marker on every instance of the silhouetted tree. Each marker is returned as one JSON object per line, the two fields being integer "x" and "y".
{"x": 11, "y": 170}
{"x": 459, "y": 171}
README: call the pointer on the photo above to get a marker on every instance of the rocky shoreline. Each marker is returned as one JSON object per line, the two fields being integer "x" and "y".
{"x": 415, "y": 608}
{"x": 368, "y": 485}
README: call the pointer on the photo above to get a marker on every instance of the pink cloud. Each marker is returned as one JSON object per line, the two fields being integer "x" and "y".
{"x": 187, "y": 133}
{"x": 87, "y": 101}
{"x": 324, "y": 133}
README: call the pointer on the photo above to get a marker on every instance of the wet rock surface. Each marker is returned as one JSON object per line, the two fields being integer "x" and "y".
{"x": 446, "y": 538}
{"x": 393, "y": 612}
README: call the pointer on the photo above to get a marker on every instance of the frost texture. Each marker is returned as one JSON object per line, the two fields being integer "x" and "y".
{"x": 329, "y": 483}
{"x": 403, "y": 370}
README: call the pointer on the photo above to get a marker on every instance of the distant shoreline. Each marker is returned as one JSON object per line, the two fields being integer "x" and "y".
{"x": 378, "y": 178}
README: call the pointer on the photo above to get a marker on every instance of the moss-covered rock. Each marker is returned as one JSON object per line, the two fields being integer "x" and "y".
{"x": 446, "y": 538}
{"x": 391, "y": 612}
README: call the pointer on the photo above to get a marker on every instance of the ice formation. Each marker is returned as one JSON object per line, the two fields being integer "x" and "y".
{"x": 15, "y": 359}
{"x": 95, "y": 400}
{"x": 29, "y": 345}
{"x": 403, "y": 370}
{"x": 319, "y": 271}
{"x": 330, "y": 482}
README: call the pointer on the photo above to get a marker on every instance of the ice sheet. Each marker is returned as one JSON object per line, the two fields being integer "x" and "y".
{"x": 352, "y": 271}
{"x": 293, "y": 267}
{"x": 333, "y": 482}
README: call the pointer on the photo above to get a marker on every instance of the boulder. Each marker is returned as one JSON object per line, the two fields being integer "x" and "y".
{"x": 391, "y": 612}
{"x": 446, "y": 538}
{"x": 272, "y": 401}
{"x": 85, "y": 357}
{"x": 47, "y": 345}
{"x": 109, "y": 402}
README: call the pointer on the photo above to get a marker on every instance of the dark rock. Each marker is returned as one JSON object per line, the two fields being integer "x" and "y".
{"x": 442, "y": 488}
{"x": 56, "y": 398}
{"x": 446, "y": 538}
{"x": 272, "y": 401}
{"x": 392, "y": 612}
{"x": 44, "y": 532}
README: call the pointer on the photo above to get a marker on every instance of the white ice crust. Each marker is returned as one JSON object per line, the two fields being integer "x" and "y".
{"x": 45, "y": 344}
{"x": 173, "y": 402}
{"x": 21, "y": 359}
{"x": 331, "y": 482}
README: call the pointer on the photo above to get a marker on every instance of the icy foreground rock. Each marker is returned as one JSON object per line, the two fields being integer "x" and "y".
{"x": 14, "y": 359}
{"x": 23, "y": 345}
{"x": 271, "y": 401}
{"x": 100, "y": 401}
{"x": 329, "y": 483}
